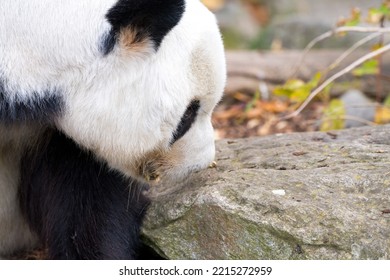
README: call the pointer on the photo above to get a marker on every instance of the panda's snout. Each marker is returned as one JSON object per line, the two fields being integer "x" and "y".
{"x": 148, "y": 171}
{"x": 152, "y": 176}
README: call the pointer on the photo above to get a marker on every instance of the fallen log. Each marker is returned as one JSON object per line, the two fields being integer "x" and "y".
{"x": 250, "y": 70}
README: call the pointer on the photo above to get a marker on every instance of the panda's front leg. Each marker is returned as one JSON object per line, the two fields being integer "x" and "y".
{"x": 80, "y": 208}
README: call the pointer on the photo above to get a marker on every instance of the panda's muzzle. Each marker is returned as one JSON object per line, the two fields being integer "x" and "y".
{"x": 149, "y": 173}
{"x": 153, "y": 166}
{"x": 148, "y": 170}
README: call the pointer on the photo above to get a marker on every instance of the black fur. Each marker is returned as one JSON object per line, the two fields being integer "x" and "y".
{"x": 186, "y": 121}
{"x": 107, "y": 43}
{"x": 34, "y": 109}
{"x": 78, "y": 206}
{"x": 150, "y": 18}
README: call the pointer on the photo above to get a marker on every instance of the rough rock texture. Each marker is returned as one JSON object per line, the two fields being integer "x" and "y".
{"x": 298, "y": 196}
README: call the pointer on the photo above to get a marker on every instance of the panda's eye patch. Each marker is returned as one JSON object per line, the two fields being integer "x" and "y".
{"x": 187, "y": 120}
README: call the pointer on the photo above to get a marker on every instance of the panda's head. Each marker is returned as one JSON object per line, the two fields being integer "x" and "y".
{"x": 144, "y": 102}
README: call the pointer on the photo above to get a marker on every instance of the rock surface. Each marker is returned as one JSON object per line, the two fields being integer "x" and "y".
{"x": 359, "y": 109}
{"x": 299, "y": 196}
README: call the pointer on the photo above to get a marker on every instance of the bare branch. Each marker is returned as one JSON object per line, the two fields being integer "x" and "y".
{"x": 309, "y": 46}
{"x": 336, "y": 76}
{"x": 328, "y": 34}
{"x": 353, "y": 118}
{"x": 363, "y": 29}
{"x": 352, "y": 49}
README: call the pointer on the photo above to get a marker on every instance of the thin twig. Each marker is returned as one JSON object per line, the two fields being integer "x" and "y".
{"x": 368, "y": 105}
{"x": 330, "y": 33}
{"x": 363, "y": 29}
{"x": 353, "y": 118}
{"x": 379, "y": 82}
{"x": 336, "y": 76}
{"x": 352, "y": 49}
{"x": 361, "y": 120}
{"x": 309, "y": 46}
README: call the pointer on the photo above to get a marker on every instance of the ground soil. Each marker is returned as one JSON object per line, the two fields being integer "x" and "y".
{"x": 245, "y": 118}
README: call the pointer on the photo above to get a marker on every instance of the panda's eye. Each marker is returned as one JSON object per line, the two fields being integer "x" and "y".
{"x": 187, "y": 120}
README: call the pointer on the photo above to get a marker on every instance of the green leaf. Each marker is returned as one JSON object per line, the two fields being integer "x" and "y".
{"x": 382, "y": 113}
{"x": 355, "y": 18}
{"x": 313, "y": 83}
{"x": 375, "y": 15}
{"x": 300, "y": 95}
{"x": 297, "y": 90}
{"x": 250, "y": 105}
{"x": 384, "y": 10}
{"x": 353, "y": 22}
{"x": 334, "y": 116}
{"x": 370, "y": 67}
{"x": 387, "y": 101}
{"x": 289, "y": 88}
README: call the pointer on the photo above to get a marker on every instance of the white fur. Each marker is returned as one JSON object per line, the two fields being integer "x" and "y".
{"x": 133, "y": 104}
{"x": 124, "y": 106}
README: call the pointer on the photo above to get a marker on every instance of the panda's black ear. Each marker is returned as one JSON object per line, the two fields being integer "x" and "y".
{"x": 144, "y": 19}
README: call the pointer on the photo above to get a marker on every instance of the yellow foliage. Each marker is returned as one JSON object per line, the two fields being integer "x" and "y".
{"x": 214, "y": 4}
{"x": 382, "y": 114}
{"x": 297, "y": 90}
{"x": 334, "y": 116}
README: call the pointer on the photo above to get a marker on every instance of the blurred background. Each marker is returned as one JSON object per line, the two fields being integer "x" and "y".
{"x": 270, "y": 74}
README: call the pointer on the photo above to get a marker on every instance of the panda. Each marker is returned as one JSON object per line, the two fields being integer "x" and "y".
{"x": 99, "y": 101}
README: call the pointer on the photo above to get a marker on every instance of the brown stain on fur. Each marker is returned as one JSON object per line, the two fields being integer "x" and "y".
{"x": 155, "y": 164}
{"x": 133, "y": 41}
